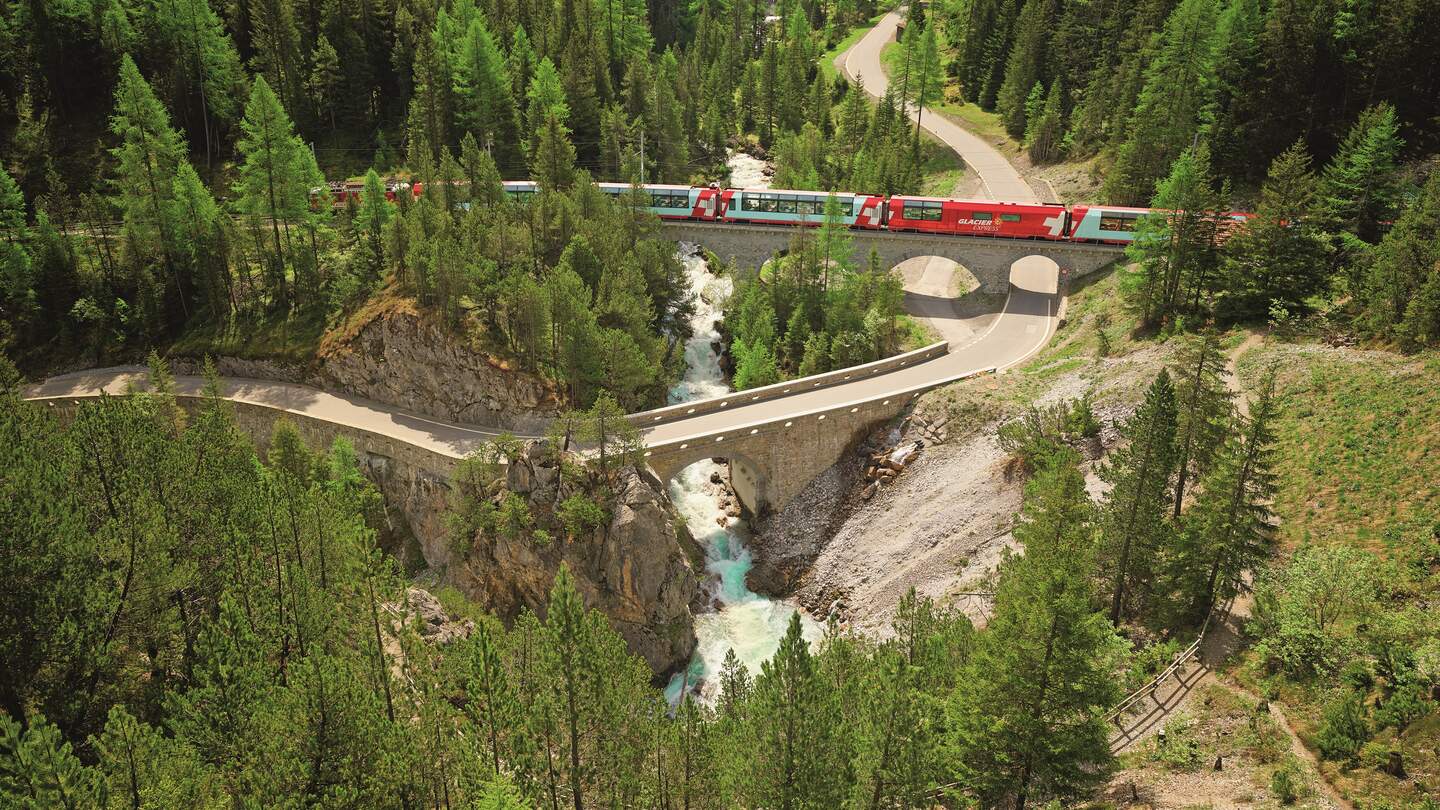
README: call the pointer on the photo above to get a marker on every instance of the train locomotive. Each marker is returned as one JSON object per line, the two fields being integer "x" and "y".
{"x": 1103, "y": 224}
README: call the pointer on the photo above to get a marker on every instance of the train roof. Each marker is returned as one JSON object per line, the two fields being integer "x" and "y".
{"x": 760, "y": 190}
{"x": 919, "y": 198}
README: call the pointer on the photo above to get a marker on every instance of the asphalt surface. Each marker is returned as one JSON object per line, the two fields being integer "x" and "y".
{"x": 445, "y": 438}
{"x": 1000, "y": 180}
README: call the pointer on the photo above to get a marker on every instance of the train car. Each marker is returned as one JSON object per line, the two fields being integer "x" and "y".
{"x": 786, "y": 207}
{"x": 520, "y": 190}
{"x": 1107, "y": 224}
{"x": 672, "y": 202}
{"x": 976, "y": 218}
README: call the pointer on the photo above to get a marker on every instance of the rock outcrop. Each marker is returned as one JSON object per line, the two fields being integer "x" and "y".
{"x": 639, "y": 568}
{"x": 410, "y": 361}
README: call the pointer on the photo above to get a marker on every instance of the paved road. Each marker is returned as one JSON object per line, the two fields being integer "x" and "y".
{"x": 1022, "y": 328}
{"x": 999, "y": 177}
{"x": 444, "y": 438}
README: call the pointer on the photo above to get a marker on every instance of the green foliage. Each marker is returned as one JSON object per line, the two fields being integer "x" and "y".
{"x": 1134, "y": 527}
{"x": 580, "y": 515}
{"x": 1044, "y": 432}
{"x": 1285, "y": 781}
{"x": 1030, "y": 719}
{"x": 1343, "y": 729}
{"x": 1302, "y": 609}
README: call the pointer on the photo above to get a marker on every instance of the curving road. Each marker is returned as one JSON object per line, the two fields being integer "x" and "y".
{"x": 999, "y": 177}
{"x": 1022, "y": 328}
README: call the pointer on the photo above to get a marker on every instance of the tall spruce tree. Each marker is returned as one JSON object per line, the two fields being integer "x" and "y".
{"x": 277, "y": 173}
{"x": 1230, "y": 528}
{"x": 1026, "y": 720}
{"x": 1359, "y": 189}
{"x": 1279, "y": 258}
{"x": 1203, "y": 409}
{"x": 1406, "y": 271}
{"x": 146, "y": 161}
{"x": 1175, "y": 248}
{"x": 1026, "y": 65}
{"x": 1134, "y": 528}
{"x": 483, "y": 101}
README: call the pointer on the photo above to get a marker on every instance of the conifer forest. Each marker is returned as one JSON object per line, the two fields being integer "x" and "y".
{"x": 1209, "y": 496}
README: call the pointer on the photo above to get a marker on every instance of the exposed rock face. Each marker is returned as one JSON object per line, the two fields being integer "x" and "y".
{"x": 639, "y": 569}
{"x": 403, "y": 359}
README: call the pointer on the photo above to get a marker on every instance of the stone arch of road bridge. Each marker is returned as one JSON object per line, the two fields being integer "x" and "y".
{"x": 989, "y": 259}
{"x": 773, "y": 460}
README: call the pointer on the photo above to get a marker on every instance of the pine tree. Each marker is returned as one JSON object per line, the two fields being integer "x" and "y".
{"x": 1133, "y": 524}
{"x": 1203, "y": 411}
{"x": 276, "y": 175}
{"x": 1028, "y": 721}
{"x": 486, "y": 186}
{"x": 1405, "y": 268}
{"x": 147, "y": 159}
{"x": 200, "y": 243}
{"x": 484, "y": 105}
{"x": 553, "y": 165}
{"x": 794, "y": 724}
{"x": 1359, "y": 189}
{"x": 1179, "y": 87}
{"x": 1279, "y": 257}
{"x": 370, "y": 221}
{"x": 276, "y": 41}
{"x": 1045, "y": 134}
{"x": 1176, "y": 250}
{"x": 1026, "y": 65}
{"x": 39, "y": 769}
{"x": 1230, "y": 528}
{"x": 325, "y": 80}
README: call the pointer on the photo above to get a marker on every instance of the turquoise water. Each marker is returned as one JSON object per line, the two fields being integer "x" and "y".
{"x": 739, "y": 619}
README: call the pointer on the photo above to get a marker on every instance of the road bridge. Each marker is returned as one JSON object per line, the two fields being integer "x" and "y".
{"x": 989, "y": 259}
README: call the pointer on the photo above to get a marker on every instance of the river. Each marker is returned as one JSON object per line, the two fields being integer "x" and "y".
{"x": 737, "y": 618}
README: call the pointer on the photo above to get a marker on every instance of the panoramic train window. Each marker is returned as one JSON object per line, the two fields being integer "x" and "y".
{"x": 1009, "y": 217}
{"x": 669, "y": 199}
{"x": 787, "y": 205}
{"x": 983, "y": 216}
{"x": 1118, "y": 222}
{"x": 928, "y": 211}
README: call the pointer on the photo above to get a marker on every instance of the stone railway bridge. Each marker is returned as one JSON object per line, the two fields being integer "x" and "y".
{"x": 989, "y": 259}
{"x": 777, "y": 438}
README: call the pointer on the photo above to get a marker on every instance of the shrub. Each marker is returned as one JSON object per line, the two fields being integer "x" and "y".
{"x": 1285, "y": 782}
{"x": 1177, "y": 747}
{"x": 1408, "y": 703}
{"x": 1042, "y": 432}
{"x": 580, "y": 514}
{"x": 1344, "y": 729}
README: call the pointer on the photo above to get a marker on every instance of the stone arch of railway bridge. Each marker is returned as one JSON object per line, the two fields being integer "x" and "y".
{"x": 989, "y": 259}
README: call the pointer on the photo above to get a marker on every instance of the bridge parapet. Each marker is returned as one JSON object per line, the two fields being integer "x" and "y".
{"x": 700, "y": 407}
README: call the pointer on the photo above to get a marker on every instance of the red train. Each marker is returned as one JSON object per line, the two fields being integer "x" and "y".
{"x": 1002, "y": 220}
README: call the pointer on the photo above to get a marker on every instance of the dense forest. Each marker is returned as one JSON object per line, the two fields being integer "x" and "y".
{"x": 1139, "y": 82}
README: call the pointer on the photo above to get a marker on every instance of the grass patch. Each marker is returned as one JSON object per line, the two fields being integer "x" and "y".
{"x": 1359, "y": 444}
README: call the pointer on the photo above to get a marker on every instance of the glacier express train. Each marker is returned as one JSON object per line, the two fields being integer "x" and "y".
{"x": 1104, "y": 224}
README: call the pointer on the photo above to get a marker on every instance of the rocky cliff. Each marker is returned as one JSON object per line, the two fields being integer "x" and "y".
{"x": 399, "y": 357}
{"x": 639, "y": 567}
